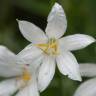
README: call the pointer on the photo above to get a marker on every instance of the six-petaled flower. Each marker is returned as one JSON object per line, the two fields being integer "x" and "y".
{"x": 51, "y": 48}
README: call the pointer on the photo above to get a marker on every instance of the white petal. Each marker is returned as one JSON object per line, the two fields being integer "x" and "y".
{"x": 57, "y": 22}
{"x": 68, "y": 65}
{"x": 30, "y": 55}
{"x": 75, "y": 42}
{"x": 9, "y": 87}
{"x": 87, "y": 88}
{"x": 5, "y": 95}
{"x": 6, "y": 56}
{"x": 8, "y": 65}
{"x": 10, "y": 71}
{"x": 88, "y": 70}
{"x": 46, "y": 73}
{"x": 31, "y": 32}
{"x": 30, "y": 90}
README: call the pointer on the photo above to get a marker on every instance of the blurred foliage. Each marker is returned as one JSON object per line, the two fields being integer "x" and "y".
{"x": 81, "y": 16}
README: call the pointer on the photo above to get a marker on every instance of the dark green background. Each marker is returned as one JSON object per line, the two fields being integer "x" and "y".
{"x": 81, "y": 16}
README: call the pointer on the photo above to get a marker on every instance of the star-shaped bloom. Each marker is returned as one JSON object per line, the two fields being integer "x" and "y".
{"x": 88, "y": 88}
{"x": 20, "y": 77}
{"x": 55, "y": 49}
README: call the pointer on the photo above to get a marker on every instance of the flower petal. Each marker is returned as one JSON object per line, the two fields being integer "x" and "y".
{"x": 87, "y": 88}
{"x": 75, "y": 42}
{"x": 30, "y": 55}
{"x": 46, "y": 73}
{"x": 31, "y": 32}
{"x": 57, "y": 22}
{"x": 5, "y": 95}
{"x": 30, "y": 90}
{"x": 88, "y": 69}
{"x": 8, "y": 65}
{"x": 68, "y": 65}
{"x": 6, "y": 56}
{"x": 9, "y": 87}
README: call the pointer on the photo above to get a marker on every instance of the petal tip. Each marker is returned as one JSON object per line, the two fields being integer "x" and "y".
{"x": 76, "y": 78}
{"x": 90, "y": 38}
{"x": 20, "y": 21}
{"x": 56, "y": 6}
{"x": 3, "y": 48}
{"x": 79, "y": 79}
{"x": 17, "y": 20}
{"x": 93, "y": 40}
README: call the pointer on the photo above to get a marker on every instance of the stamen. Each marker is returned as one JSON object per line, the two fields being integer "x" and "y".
{"x": 50, "y": 48}
{"x": 26, "y": 75}
{"x": 24, "y": 78}
{"x": 42, "y": 46}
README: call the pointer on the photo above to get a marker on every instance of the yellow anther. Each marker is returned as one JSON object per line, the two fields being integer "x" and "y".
{"x": 26, "y": 75}
{"x": 53, "y": 45}
{"x": 50, "y": 48}
{"x": 25, "y": 78}
{"x": 42, "y": 46}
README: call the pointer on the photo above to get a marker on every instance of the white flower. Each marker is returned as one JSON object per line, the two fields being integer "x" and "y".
{"x": 55, "y": 49}
{"x": 21, "y": 77}
{"x": 88, "y": 88}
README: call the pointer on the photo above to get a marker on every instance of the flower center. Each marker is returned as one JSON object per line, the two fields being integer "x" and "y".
{"x": 51, "y": 48}
{"x": 25, "y": 77}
